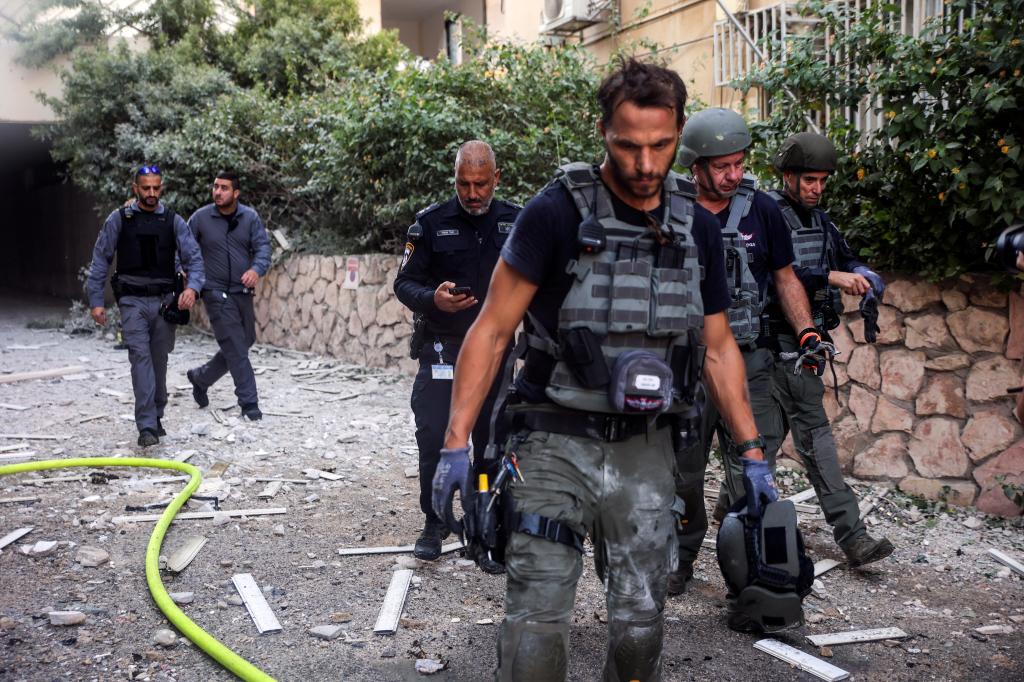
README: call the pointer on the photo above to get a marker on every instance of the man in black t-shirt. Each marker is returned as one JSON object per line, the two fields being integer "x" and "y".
{"x": 714, "y": 147}
{"x": 619, "y": 276}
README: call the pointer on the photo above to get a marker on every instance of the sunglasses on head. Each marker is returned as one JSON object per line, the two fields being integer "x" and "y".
{"x": 148, "y": 170}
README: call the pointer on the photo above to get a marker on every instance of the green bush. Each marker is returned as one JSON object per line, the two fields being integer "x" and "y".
{"x": 337, "y": 137}
{"x": 930, "y": 189}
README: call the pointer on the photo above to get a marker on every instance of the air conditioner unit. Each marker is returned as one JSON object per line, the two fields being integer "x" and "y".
{"x": 565, "y": 16}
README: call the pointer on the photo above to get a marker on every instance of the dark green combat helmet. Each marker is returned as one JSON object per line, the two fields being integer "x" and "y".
{"x": 713, "y": 132}
{"x": 804, "y": 152}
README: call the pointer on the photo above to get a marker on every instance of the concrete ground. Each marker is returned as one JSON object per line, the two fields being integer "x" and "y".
{"x": 354, "y": 422}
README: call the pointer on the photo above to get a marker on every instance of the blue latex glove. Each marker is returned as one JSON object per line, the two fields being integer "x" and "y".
{"x": 452, "y": 474}
{"x": 758, "y": 484}
{"x": 873, "y": 279}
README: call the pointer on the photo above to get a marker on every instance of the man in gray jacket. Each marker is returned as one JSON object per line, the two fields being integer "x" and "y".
{"x": 146, "y": 237}
{"x": 236, "y": 251}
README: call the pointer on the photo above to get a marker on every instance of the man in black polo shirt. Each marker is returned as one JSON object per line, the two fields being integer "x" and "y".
{"x": 627, "y": 274}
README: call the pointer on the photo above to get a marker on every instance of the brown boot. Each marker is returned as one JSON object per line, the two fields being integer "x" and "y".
{"x": 865, "y": 549}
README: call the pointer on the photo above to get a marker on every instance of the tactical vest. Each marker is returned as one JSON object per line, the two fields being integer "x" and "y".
{"x": 629, "y": 293}
{"x": 747, "y": 301}
{"x": 813, "y": 248}
{"x": 147, "y": 244}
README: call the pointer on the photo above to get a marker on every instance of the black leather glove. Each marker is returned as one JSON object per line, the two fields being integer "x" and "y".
{"x": 869, "y": 311}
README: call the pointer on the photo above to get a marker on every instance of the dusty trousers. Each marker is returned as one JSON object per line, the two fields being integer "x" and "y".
{"x": 621, "y": 495}
{"x": 150, "y": 338}
{"x": 800, "y": 398}
{"x": 234, "y": 326}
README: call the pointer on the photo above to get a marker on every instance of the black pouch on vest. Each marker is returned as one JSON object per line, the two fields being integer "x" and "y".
{"x": 641, "y": 382}
{"x": 581, "y": 351}
{"x": 419, "y": 330}
{"x": 687, "y": 363}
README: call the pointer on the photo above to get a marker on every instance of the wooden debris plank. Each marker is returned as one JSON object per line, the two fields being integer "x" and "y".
{"x": 16, "y": 446}
{"x": 16, "y": 408}
{"x": 286, "y": 414}
{"x": 15, "y": 500}
{"x": 803, "y": 496}
{"x": 824, "y": 566}
{"x": 344, "y": 397}
{"x": 17, "y": 456}
{"x": 113, "y": 393}
{"x": 283, "y": 480}
{"x": 1007, "y": 560}
{"x": 272, "y": 489}
{"x": 32, "y": 436}
{"x": 867, "y": 505}
{"x": 56, "y": 479}
{"x": 709, "y": 542}
{"x": 189, "y": 516}
{"x": 217, "y": 470}
{"x": 281, "y": 239}
{"x": 218, "y": 417}
{"x": 358, "y": 551}
{"x": 91, "y": 417}
{"x": 14, "y": 536}
{"x": 183, "y": 555}
{"x": 255, "y": 603}
{"x": 856, "y": 636}
{"x": 394, "y": 602}
{"x": 164, "y": 479}
{"x": 41, "y": 374}
{"x": 325, "y": 474}
{"x": 802, "y": 660}
{"x": 332, "y": 391}
{"x": 183, "y": 456}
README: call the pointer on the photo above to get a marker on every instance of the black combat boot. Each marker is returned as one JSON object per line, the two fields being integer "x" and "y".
{"x": 252, "y": 412}
{"x": 428, "y": 545}
{"x": 148, "y": 437}
{"x": 198, "y": 394}
{"x": 865, "y": 549}
{"x": 160, "y": 428}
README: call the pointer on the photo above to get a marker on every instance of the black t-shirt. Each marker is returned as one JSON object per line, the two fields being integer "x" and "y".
{"x": 846, "y": 259}
{"x": 766, "y": 236}
{"x": 544, "y": 241}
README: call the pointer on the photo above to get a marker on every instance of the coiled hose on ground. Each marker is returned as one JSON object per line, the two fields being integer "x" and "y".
{"x": 204, "y": 640}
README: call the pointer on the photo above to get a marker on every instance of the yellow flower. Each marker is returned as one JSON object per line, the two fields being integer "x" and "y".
{"x": 1015, "y": 42}
{"x": 1005, "y": 149}
{"x": 962, "y": 186}
{"x": 942, "y": 196}
{"x": 860, "y": 173}
{"x": 932, "y": 153}
{"x": 955, "y": 170}
{"x": 890, "y": 115}
{"x": 1001, "y": 142}
{"x": 500, "y": 73}
{"x": 488, "y": 74}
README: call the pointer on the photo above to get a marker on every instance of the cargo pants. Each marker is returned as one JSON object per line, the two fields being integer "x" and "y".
{"x": 150, "y": 339}
{"x": 234, "y": 325}
{"x": 621, "y": 495}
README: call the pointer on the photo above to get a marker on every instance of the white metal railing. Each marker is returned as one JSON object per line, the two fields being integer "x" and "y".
{"x": 734, "y": 56}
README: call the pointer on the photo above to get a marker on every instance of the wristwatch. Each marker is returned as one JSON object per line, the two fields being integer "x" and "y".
{"x": 750, "y": 444}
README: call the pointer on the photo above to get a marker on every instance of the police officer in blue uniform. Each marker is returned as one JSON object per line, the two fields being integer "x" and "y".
{"x": 236, "y": 251}
{"x": 146, "y": 236}
{"x": 451, "y": 251}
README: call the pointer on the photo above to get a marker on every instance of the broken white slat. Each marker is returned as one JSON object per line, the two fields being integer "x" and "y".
{"x": 281, "y": 239}
{"x": 804, "y": 661}
{"x": 41, "y": 374}
{"x": 824, "y": 566}
{"x": 16, "y": 408}
{"x": 31, "y": 436}
{"x": 856, "y": 636}
{"x": 358, "y": 551}
{"x": 286, "y": 414}
{"x": 803, "y": 496}
{"x": 1007, "y": 560}
{"x": 324, "y": 474}
{"x": 332, "y": 391}
{"x": 183, "y": 456}
{"x": 256, "y": 603}
{"x": 808, "y": 509}
{"x": 90, "y": 418}
{"x": 16, "y": 446}
{"x": 394, "y": 602}
{"x": 272, "y": 489}
{"x": 164, "y": 479}
{"x": 188, "y": 516}
{"x": 867, "y": 505}
{"x": 14, "y": 535}
{"x": 16, "y": 456}
{"x": 709, "y": 542}
{"x": 12, "y": 500}
{"x": 183, "y": 556}
{"x": 56, "y": 479}
{"x": 111, "y": 392}
{"x": 283, "y": 480}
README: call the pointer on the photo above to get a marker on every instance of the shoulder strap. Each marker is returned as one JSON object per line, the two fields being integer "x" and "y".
{"x": 739, "y": 207}
{"x": 788, "y": 214}
{"x": 584, "y": 185}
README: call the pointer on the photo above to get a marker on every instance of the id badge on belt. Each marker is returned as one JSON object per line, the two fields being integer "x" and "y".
{"x": 441, "y": 370}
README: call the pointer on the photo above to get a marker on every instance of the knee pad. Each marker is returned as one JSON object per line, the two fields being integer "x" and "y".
{"x": 634, "y": 650}
{"x": 533, "y": 651}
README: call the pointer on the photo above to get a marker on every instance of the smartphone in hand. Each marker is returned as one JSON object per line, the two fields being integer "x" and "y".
{"x": 460, "y": 291}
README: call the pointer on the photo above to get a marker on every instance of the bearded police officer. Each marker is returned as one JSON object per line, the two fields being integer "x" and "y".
{"x": 452, "y": 249}
{"x": 825, "y": 265}
{"x": 145, "y": 235}
{"x": 236, "y": 251}
{"x": 758, "y": 249}
{"x": 621, "y": 278}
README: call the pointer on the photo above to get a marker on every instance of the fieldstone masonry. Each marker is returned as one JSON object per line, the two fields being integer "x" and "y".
{"x": 925, "y": 407}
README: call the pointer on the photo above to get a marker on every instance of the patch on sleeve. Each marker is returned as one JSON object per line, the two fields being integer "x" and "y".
{"x": 409, "y": 248}
{"x": 505, "y": 228}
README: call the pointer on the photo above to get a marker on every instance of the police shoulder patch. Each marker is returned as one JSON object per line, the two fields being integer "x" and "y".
{"x": 415, "y": 231}
{"x": 409, "y": 249}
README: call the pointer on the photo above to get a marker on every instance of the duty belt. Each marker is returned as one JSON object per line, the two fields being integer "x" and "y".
{"x": 124, "y": 289}
{"x": 603, "y": 427}
{"x": 221, "y": 293}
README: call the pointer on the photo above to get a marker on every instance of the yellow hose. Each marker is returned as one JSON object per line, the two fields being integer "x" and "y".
{"x": 204, "y": 640}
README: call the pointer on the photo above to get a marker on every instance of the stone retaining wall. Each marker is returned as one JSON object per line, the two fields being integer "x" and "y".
{"x": 925, "y": 407}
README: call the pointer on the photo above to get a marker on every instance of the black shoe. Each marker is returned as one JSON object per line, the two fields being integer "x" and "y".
{"x": 148, "y": 437}
{"x": 677, "y": 579}
{"x": 484, "y": 560}
{"x": 160, "y": 429}
{"x": 198, "y": 394}
{"x": 865, "y": 549}
{"x": 252, "y": 412}
{"x": 428, "y": 545}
